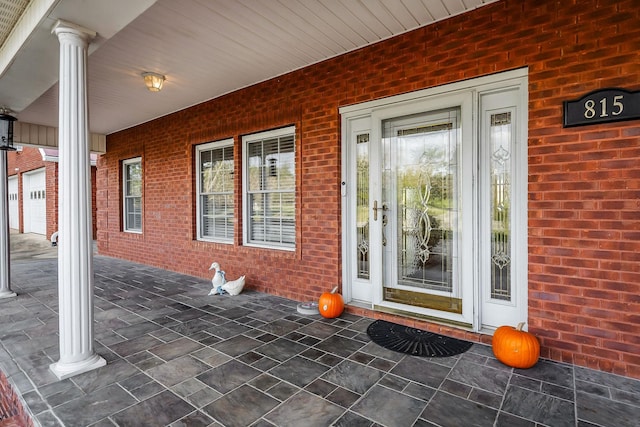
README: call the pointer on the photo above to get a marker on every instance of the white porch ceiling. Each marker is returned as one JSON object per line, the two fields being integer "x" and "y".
{"x": 10, "y": 12}
{"x": 206, "y": 48}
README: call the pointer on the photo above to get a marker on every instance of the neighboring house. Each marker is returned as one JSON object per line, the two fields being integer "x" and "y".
{"x": 33, "y": 190}
{"x": 429, "y": 175}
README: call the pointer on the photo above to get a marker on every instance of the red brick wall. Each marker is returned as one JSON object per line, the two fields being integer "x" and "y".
{"x": 52, "y": 198}
{"x": 27, "y": 160}
{"x": 12, "y": 413}
{"x": 30, "y": 159}
{"x": 584, "y": 182}
{"x": 94, "y": 201}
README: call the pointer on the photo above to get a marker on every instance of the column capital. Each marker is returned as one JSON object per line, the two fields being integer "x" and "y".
{"x": 64, "y": 27}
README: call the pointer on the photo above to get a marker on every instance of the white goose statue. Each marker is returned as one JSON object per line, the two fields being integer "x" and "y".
{"x": 218, "y": 279}
{"x": 220, "y": 285}
{"x": 234, "y": 287}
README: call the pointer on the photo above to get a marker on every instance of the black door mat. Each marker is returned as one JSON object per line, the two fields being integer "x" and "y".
{"x": 416, "y": 342}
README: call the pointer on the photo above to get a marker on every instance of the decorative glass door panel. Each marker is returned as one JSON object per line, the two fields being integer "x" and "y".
{"x": 500, "y": 145}
{"x": 362, "y": 205}
{"x": 420, "y": 209}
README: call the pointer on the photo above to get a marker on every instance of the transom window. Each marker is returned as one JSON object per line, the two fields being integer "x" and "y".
{"x": 215, "y": 191}
{"x": 132, "y": 194}
{"x": 269, "y": 181}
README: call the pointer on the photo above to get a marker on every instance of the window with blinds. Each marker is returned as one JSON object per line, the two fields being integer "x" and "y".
{"x": 132, "y": 195}
{"x": 269, "y": 185}
{"x": 214, "y": 165}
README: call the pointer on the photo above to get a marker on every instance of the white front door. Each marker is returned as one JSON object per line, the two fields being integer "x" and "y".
{"x": 420, "y": 214}
{"x": 434, "y": 202}
{"x": 35, "y": 202}
{"x": 13, "y": 203}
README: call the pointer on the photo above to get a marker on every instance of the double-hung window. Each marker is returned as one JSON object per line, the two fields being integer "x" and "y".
{"x": 269, "y": 181}
{"x": 215, "y": 191}
{"x": 132, "y": 195}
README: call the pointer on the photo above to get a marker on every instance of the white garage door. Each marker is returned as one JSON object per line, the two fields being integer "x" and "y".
{"x": 13, "y": 202}
{"x": 35, "y": 202}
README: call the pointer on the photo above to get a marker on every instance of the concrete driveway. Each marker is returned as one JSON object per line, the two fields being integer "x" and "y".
{"x": 25, "y": 246}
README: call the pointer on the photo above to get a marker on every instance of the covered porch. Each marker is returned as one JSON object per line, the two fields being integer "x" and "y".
{"x": 179, "y": 357}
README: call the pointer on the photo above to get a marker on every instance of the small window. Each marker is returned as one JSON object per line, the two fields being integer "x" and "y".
{"x": 132, "y": 195}
{"x": 214, "y": 165}
{"x": 269, "y": 182}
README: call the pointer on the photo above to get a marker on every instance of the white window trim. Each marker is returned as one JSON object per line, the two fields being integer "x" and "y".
{"x": 124, "y": 196}
{"x": 289, "y": 130}
{"x": 225, "y": 143}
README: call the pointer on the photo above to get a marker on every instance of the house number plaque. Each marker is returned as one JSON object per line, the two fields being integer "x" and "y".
{"x": 602, "y": 106}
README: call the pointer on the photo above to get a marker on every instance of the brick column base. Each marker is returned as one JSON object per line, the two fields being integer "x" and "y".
{"x": 12, "y": 413}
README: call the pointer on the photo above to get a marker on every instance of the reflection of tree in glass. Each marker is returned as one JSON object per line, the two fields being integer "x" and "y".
{"x": 134, "y": 179}
{"x": 439, "y": 187}
{"x": 272, "y": 177}
{"x": 218, "y": 178}
{"x": 362, "y": 214}
{"x": 426, "y": 202}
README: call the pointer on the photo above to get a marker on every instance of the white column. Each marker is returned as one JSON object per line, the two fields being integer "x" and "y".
{"x": 75, "y": 256}
{"x": 5, "y": 276}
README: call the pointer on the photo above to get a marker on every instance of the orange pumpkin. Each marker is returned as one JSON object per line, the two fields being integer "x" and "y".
{"x": 515, "y": 347}
{"x": 331, "y": 304}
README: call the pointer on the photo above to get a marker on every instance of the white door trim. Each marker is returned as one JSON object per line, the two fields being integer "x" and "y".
{"x": 466, "y": 95}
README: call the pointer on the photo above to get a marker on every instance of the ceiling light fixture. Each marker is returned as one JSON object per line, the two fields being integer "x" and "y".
{"x": 154, "y": 81}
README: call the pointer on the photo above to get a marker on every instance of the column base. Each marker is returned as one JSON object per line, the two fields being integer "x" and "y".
{"x": 66, "y": 370}
{"x": 7, "y": 294}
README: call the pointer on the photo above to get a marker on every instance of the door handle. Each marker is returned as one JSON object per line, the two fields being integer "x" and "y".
{"x": 376, "y": 208}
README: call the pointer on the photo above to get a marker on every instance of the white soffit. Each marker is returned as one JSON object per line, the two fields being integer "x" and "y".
{"x": 208, "y": 48}
{"x": 10, "y": 12}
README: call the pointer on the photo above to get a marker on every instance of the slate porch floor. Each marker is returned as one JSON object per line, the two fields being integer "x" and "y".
{"x": 179, "y": 357}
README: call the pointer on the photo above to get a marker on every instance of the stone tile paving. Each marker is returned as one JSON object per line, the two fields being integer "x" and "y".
{"x": 177, "y": 357}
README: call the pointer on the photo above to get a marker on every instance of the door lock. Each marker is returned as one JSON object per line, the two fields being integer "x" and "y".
{"x": 376, "y": 208}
